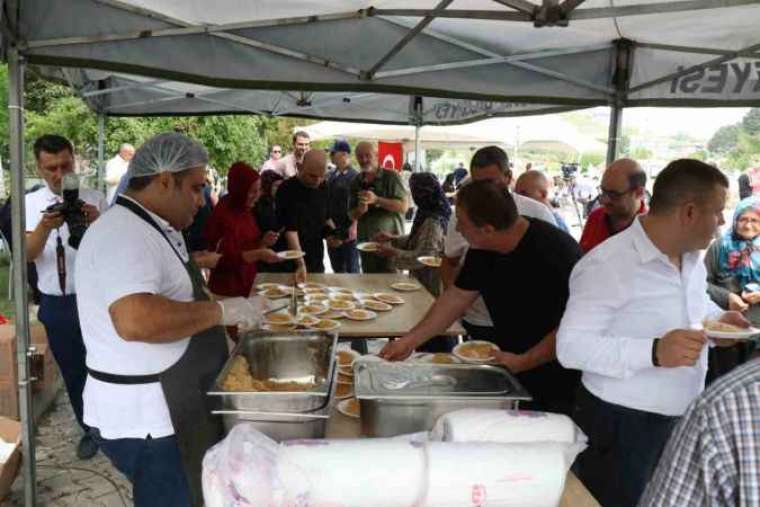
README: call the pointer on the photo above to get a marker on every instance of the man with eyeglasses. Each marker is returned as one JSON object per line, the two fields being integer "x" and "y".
{"x": 622, "y": 197}
{"x": 274, "y": 159}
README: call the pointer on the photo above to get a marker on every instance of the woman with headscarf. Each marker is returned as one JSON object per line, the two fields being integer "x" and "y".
{"x": 427, "y": 235}
{"x": 233, "y": 232}
{"x": 733, "y": 274}
{"x": 266, "y": 217}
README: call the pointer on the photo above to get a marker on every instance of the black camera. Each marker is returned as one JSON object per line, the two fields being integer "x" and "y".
{"x": 569, "y": 170}
{"x": 72, "y": 209}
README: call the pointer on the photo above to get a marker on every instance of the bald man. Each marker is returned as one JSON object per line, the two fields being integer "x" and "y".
{"x": 378, "y": 203}
{"x": 535, "y": 185}
{"x": 301, "y": 206}
{"x": 622, "y": 196}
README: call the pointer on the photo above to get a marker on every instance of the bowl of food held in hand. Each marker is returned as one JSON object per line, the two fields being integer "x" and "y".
{"x": 476, "y": 351}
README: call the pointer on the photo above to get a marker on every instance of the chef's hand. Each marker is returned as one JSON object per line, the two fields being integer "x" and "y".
{"x": 397, "y": 350}
{"x": 751, "y": 297}
{"x": 736, "y": 319}
{"x": 513, "y": 362}
{"x": 736, "y": 303}
{"x": 680, "y": 347}
{"x": 206, "y": 259}
{"x": 270, "y": 238}
{"x": 243, "y": 312}
{"x": 91, "y": 213}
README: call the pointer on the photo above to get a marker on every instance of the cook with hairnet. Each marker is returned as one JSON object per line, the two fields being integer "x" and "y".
{"x": 154, "y": 339}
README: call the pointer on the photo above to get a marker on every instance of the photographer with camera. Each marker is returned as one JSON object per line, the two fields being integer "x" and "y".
{"x": 57, "y": 216}
{"x": 621, "y": 194}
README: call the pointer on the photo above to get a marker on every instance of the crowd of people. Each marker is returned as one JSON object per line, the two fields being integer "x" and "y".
{"x": 608, "y": 330}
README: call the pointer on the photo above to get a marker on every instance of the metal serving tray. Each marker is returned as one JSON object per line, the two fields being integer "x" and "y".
{"x": 281, "y": 426}
{"x": 297, "y": 356}
{"x": 398, "y": 398}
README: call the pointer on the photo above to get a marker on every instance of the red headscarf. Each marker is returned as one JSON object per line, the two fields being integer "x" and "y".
{"x": 239, "y": 180}
{"x": 231, "y": 230}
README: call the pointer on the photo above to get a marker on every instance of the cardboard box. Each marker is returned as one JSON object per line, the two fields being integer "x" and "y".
{"x": 10, "y": 431}
{"x": 43, "y": 368}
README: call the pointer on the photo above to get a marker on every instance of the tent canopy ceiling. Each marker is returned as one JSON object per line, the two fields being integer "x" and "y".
{"x": 630, "y": 53}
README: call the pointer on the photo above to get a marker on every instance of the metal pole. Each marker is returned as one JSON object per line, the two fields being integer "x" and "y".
{"x": 16, "y": 116}
{"x": 101, "y": 185}
{"x": 417, "y": 150}
{"x": 621, "y": 80}
{"x": 417, "y": 125}
{"x": 616, "y": 119}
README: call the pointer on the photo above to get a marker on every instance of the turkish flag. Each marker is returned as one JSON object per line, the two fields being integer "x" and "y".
{"x": 390, "y": 155}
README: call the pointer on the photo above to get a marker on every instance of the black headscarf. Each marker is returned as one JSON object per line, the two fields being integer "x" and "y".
{"x": 430, "y": 200}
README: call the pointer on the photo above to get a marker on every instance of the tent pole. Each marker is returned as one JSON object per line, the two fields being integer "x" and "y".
{"x": 616, "y": 119}
{"x": 417, "y": 150}
{"x": 417, "y": 113}
{"x": 621, "y": 81}
{"x": 101, "y": 144}
{"x": 16, "y": 115}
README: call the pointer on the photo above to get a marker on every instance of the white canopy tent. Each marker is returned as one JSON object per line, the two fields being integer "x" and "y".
{"x": 566, "y": 55}
{"x": 413, "y": 139}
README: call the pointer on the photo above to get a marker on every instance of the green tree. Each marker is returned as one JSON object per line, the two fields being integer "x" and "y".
{"x": 751, "y": 121}
{"x": 724, "y": 139}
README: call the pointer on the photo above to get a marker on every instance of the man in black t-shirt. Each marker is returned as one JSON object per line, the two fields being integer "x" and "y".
{"x": 301, "y": 206}
{"x": 521, "y": 267}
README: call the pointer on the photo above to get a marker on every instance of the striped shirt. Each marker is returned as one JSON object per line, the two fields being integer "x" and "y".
{"x": 713, "y": 456}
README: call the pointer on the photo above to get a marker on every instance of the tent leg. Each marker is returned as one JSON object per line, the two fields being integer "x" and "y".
{"x": 417, "y": 150}
{"x": 101, "y": 185}
{"x": 16, "y": 115}
{"x": 616, "y": 120}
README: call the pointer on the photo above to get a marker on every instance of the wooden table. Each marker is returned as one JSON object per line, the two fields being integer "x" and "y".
{"x": 574, "y": 495}
{"x": 394, "y": 323}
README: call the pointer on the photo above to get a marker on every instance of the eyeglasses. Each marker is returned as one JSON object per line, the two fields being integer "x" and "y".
{"x": 748, "y": 220}
{"x": 276, "y": 151}
{"x": 613, "y": 195}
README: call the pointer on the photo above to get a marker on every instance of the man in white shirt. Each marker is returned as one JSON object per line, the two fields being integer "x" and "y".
{"x": 116, "y": 168}
{"x": 275, "y": 156}
{"x": 154, "y": 339}
{"x": 48, "y": 246}
{"x": 489, "y": 163}
{"x": 633, "y": 326}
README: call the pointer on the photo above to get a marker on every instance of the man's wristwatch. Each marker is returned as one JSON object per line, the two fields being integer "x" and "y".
{"x": 655, "y": 361}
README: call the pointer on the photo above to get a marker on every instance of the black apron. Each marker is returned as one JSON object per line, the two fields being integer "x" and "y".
{"x": 187, "y": 381}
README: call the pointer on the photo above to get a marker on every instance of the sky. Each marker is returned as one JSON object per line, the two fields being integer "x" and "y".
{"x": 698, "y": 122}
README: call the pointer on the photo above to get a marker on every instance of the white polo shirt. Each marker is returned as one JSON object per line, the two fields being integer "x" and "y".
{"x": 457, "y": 246}
{"x": 47, "y": 267}
{"x": 123, "y": 255}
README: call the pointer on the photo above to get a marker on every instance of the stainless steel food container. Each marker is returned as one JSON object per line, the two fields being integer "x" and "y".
{"x": 296, "y": 356}
{"x": 398, "y": 398}
{"x": 281, "y": 426}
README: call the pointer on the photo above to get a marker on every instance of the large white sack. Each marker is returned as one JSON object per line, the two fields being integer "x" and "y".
{"x": 505, "y": 426}
{"x": 497, "y": 475}
{"x": 353, "y": 473}
{"x": 242, "y": 470}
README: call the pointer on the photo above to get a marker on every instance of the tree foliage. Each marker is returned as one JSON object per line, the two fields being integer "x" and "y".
{"x": 724, "y": 139}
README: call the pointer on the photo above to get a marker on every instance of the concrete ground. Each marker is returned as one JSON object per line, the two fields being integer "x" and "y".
{"x": 62, "y": 479}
